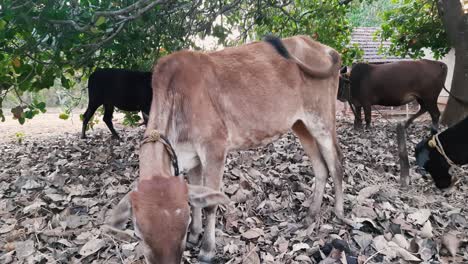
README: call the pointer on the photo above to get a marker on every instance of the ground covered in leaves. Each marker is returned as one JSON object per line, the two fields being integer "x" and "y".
{"x": 56, "y": 192}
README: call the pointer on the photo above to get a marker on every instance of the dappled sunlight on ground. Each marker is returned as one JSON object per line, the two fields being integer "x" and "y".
{"x": 49, "y": 124}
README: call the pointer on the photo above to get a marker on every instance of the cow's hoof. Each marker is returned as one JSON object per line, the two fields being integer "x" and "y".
{"x": 358, "y": 127}
{"x": 190, "y": 244}
{"x": 206, "y": 257}
{"x": 192, "y": 240}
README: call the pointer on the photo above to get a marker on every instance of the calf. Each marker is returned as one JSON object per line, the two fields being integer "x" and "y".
{"x": 395, "y": 84}
{"x": 124, "y": 89}
{"x": 442, "y": 151}
{"x": 207, "y": 104}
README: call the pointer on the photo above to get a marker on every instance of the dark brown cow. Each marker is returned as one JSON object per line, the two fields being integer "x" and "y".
{"x": 395, "y": 84}
{"x": 207, "y": 104}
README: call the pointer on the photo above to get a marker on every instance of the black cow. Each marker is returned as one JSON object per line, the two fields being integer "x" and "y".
{"x": 454, "y": 142}
{"x": 124, "y": 89}
{"x": 395, "y": 84}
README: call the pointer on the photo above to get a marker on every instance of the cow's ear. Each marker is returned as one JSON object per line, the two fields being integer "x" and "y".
{"x": 121, "y": 213}
{"x": 422, "y": 154}
{"x": 201, "y": 196}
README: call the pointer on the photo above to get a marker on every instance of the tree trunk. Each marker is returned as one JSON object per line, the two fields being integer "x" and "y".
{"x": 456, "y": 26}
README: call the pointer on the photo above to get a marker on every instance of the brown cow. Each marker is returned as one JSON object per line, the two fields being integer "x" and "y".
{"x": 395, "y": 84}
{"x": 207, "y": 104}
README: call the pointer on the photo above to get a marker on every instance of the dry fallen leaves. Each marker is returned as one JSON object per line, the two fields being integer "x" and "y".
{"x": 55, "y": 195}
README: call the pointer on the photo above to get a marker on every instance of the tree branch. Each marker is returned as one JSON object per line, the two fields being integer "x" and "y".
{"x": 21, "y": 5}
{"x": 142, "y": 10}
{"x": 345, "y": 2}
{"x": 127, "y": 9}
{"x": 73, "y": 23}
{"x": 111, "y": 36}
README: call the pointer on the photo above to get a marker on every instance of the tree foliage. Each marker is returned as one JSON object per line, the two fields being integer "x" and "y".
{"x": 412, "y": 26}
{"x": 325, "y": 21}
{"x": 42, "y": 41}
{"x": 368, "y": 13}
{"x": 438, "y": 26}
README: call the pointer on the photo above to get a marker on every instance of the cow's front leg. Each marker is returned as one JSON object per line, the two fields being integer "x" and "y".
{"x": 108, "y": 111}
{"x": 358, "y": 118}
{"x": 367, "y": 115}
{"x": 212, "y": 171}
{"x": 196, "y": 226}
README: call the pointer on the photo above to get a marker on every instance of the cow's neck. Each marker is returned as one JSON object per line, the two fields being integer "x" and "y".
{"x": 154, "y": 161}
{"x": 455, "y": 141}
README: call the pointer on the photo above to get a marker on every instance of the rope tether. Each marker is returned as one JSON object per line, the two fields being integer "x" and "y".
{"x": 155, "y": 136}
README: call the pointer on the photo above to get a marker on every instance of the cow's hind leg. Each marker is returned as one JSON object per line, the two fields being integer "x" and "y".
{"x": 367, "y": 115}
{"x": 212, "y": 160}
{"x": 435, "y": 115}
{"x": 145, "y": 117}
{"x": 108, "y": 111}
{"x": 421, "y": 111}
{"x": 325, "y": 137}
{"x": 358, "y": 118}
{"x": 196, "y": 226}
{"x": 92, "y": 107}
{"x": 318, "y": 165}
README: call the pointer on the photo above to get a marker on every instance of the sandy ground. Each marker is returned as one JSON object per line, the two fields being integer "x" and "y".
{"x": 49, "y": 124}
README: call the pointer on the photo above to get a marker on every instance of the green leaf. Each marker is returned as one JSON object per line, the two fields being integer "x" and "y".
{"x": 65, "y": 82}
{"x": 41, "y": 105}
{"x": 2, "y": 24}
{"x": 64, "y": 116}
{"x": 21, "y": 120}
{"x": 94, "y": 30}
{"x": 28, "y": 114}
{"x": 101, "y": 20}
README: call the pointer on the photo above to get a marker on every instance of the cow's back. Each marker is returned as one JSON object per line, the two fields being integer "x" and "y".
{"x": 397, "y": 83}
{"x": 234, "y": 85}
{"x": 125, "y": 89}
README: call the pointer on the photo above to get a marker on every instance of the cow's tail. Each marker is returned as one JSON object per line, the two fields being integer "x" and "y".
{"x": 458, "y": 99}
{"x": 317, "y": 72}
{"x": 444, "y": 76}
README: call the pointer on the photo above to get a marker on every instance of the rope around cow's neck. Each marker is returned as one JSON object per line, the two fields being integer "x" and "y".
{"x": 454, "y": 169}
{"x": 434, "y": 142}
{"x": 155, "y": 136}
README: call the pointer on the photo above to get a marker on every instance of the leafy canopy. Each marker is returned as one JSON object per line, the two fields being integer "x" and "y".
{"x": 42, "y": 41}
{"x": 412, "y": 26}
